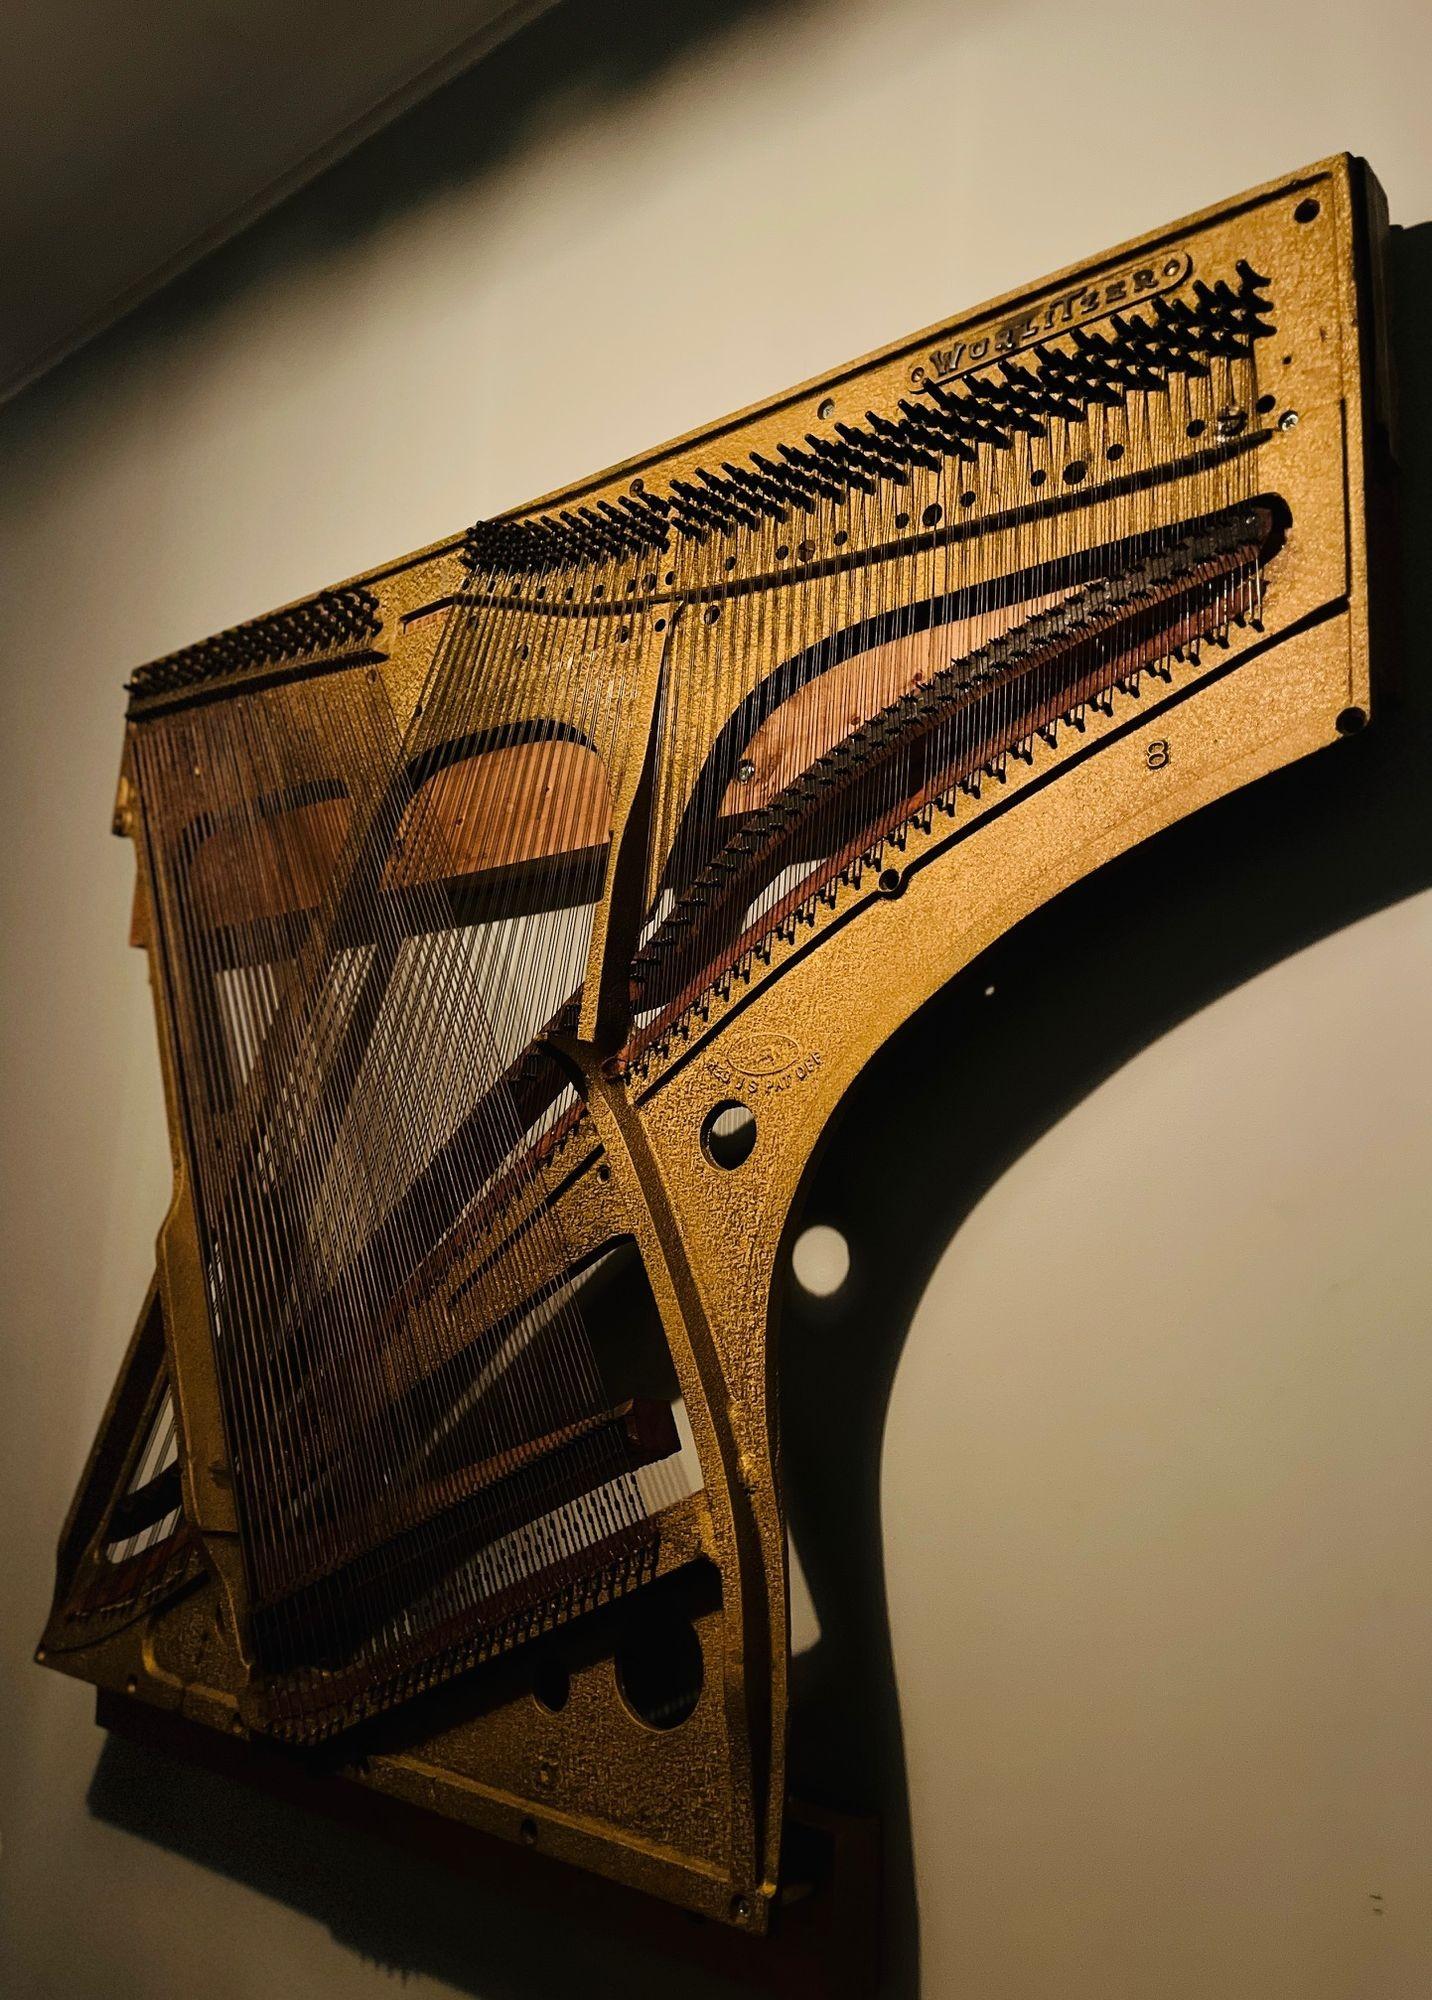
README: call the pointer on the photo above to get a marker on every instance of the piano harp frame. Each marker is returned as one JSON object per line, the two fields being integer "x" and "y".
{"x": 696, "y": 1814}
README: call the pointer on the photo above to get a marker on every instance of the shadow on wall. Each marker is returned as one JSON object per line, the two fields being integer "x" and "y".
{"x": 399, "y": 1910}
{"x": 976, "y": 1079}
{"x": 1079, "y": 988}
{"x": 600, "y": 51}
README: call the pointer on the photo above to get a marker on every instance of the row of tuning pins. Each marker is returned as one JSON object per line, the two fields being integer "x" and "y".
{"x": 988, "y": 408}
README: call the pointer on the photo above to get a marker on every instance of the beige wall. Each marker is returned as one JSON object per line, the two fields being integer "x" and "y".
{"x": 1155, "y": 1478}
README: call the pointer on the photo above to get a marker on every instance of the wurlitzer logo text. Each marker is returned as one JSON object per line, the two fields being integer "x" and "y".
{"x": 1054, "y": 316}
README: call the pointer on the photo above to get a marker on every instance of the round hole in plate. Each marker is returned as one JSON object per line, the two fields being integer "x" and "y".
{"x": 1351, "y": 720}
{"x": 890, "y": 882}
{"x": 820, "y": 1258}
{"x": 660, "y": 1669}
{"x": 1114, "y": 453}
{"x": 1265, "y": 404}
{"x": 1038, "y": 476}
{"x": 728, "y": 1133}
{"x": 551, "y": 1684}
{"x": 933, "y": 514}
{"x": 1307, "y": 211}
{"x": 1074, "y": 471}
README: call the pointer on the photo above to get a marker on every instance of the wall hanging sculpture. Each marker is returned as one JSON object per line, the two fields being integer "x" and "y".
{"x": 517, "y": 915}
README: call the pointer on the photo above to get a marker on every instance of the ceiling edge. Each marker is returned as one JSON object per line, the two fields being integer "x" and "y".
{"x": 424, "y": 81}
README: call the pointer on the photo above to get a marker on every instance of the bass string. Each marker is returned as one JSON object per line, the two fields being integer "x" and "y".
{"x": 460, "y": 995}
{"x": 558, "y": 631}
{"x": 449, "y": 726}
{"x": 352, "y": 1160}
{"x": 247, "y": 781}
{"x": 309, "y": 1311}
{"x": 504, "y": 1142}
{"x": 193, "y": 954}
{"x": 505, "y": 941}
{"x": 421, "y": 871}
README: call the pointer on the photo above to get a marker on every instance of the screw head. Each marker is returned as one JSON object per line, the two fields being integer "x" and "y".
{"x": 745, "y": 770}
{"x": 1288, "y": 421}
